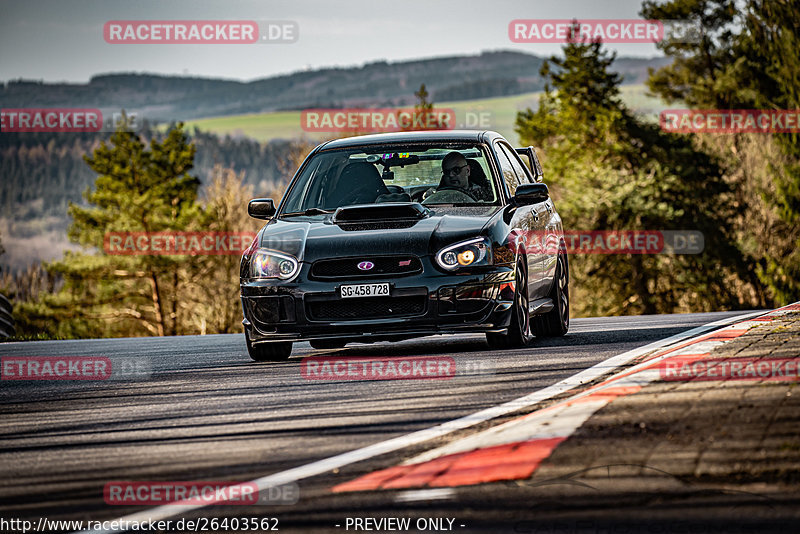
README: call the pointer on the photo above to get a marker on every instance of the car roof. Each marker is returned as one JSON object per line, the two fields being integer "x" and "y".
{"x": 436, "y": 136}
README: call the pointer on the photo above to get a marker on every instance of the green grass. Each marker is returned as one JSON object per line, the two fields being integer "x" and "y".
{"x": 501, "y": 114}
{"x": 261, "y": 126}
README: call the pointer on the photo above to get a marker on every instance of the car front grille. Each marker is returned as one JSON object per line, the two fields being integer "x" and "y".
{"x": 347, "y": 268}
{"x": 366, "y": 308}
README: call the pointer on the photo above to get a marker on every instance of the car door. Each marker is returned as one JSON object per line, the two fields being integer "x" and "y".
{"x": 527, "y": 219}
{"x": 552, "y": 227}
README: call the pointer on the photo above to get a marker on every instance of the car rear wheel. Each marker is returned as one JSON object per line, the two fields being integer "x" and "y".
{"x": 519, "y": 330}
{"x": 268, "y": 352}
{"x": 326, "y": 344}
{"x": 555, "y": 323}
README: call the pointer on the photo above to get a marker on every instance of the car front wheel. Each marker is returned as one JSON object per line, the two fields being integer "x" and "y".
{"x": 519, "y": 330}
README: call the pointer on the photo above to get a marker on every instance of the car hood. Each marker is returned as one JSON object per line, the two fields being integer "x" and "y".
{"x": 310, "y": 238}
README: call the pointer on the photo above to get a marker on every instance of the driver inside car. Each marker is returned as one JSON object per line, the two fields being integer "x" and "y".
{"x": 455, "y": 176}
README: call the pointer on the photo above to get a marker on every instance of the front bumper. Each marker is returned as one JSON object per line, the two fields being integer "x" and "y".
{"x": 427, "y": 303}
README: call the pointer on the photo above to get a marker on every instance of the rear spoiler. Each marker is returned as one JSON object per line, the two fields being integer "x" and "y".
{"x": 533, "y": 162}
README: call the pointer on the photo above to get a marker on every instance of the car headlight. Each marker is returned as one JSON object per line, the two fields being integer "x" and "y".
{"x": 270, "y": 264}
{"x": 465, "y": 254}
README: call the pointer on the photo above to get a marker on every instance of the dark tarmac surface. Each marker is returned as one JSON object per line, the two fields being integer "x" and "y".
{"x": 206, "y": 412}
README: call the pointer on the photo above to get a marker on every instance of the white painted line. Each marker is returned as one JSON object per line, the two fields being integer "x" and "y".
{"x": 335, "y": 462}
{"x": 437, "y": 494}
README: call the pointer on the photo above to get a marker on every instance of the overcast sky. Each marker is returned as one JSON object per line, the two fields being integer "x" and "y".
{"x": 62, "y": 40}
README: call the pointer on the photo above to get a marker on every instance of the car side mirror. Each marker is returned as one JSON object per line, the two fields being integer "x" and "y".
{"x": 531, "y": 194}
{"x": 261, "y": 208}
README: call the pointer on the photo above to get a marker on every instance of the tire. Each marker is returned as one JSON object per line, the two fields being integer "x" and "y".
{"x": 268, "y": 352}
{"x": 326, "y": 344}
{"x": 555, "y": 323}
{"x": 519, "y": 329}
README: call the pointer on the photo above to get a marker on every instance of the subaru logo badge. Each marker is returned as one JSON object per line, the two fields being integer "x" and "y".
{"x": 366, "y": 265}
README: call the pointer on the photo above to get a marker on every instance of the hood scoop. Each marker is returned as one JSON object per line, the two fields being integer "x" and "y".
{"x": 399, "y": 212}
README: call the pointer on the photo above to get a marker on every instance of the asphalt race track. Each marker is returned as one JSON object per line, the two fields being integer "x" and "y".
{"x": 204, "y": 411}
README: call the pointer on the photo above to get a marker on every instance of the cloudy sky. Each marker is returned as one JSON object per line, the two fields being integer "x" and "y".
{"x": 62, "y": 40}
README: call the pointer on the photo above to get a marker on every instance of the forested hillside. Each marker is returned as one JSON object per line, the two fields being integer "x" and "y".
{"x": 42, "y": 172}
{"x": 379, "y": 83}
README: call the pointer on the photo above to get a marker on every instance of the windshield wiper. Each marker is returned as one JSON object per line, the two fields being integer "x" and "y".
{"x": 309, "y": 211}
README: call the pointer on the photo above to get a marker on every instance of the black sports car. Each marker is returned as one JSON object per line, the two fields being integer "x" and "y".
{"x": 392, "y": 236}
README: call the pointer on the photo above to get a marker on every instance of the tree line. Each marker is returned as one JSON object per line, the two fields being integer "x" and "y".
{"x": 43, "y": 172}
{"x": 611, "y": 170}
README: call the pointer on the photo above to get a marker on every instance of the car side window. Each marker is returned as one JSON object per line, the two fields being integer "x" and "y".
{"x": 509, "y": 175}
{"x": 519, "y": 168}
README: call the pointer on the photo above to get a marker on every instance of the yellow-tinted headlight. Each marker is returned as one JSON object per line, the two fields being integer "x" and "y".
{"x": 466, "y": 257}
{"x": 472, "y": 253}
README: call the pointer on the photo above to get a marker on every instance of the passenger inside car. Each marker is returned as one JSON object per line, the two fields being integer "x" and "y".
{"x": 359, "y": 183}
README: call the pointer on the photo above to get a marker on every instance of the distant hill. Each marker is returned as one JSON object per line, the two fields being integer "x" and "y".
{"x": 172, "y": 98}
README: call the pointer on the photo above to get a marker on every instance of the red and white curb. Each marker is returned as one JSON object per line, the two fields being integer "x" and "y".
{"x": 513, "y": 450}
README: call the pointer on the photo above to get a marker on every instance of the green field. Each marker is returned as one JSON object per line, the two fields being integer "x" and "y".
{"x": 496, "y": 114}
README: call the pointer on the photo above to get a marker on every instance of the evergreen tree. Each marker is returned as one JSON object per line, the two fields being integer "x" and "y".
{"x": 137, "y": 190}
{"x": 611, "y": 171}
{"x": 423, "y": 105}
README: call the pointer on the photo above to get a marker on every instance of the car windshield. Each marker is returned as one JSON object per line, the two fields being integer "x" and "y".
{"x": 375, "y": 175}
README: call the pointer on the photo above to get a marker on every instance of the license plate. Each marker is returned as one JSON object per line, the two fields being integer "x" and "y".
{"x": 365, "y": 290}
